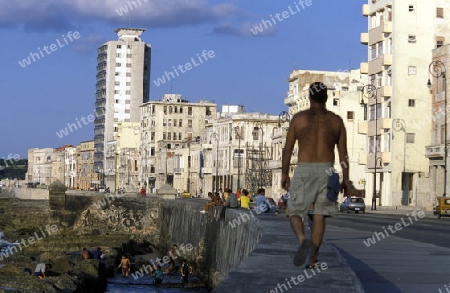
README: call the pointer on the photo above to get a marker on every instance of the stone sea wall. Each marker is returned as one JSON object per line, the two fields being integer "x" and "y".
{"x": 219, "y": 245}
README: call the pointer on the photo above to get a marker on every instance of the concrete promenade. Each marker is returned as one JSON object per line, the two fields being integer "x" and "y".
{"x": 391, "y": 265}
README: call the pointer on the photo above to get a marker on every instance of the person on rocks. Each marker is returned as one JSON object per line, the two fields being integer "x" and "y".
{"x": 158, "y": 273}
{"x": 125, "y": 265}
{"x": 186, "y": 269}
{"x": 85, "y": 253}
{"x": 39, "y": 271}
{"x": 97, "y": 254}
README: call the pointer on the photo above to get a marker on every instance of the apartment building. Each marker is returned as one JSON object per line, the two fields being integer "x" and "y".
{"x": 400, "y": 39}
{"x": 345, "y": 99}
{"x": 166, "y": 125}
{"x": 39, "y": 165}
{"x": 123, "y": 84}
{"x": 238, "y": 149}
{"x": 87, "y": 177}
{"x": 436, "y": 151}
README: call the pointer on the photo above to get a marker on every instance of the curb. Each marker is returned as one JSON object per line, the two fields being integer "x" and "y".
{"x": 357, "y": 285}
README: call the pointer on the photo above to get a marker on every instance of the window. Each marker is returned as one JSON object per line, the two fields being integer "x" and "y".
{"x": 179, "y": 136}
{"x": 128, "y": 55}
{"x": 119, "y": 46}
{"x": 335, "y": 102}
{"x": 117, "y": 101}
{"x": 128, "y": 74}
{"x": 128, "y": 64}
{"x": 164, "y": 122}
{"x": 189, "y": 111}
{"x": 117, "y": 92}
{"x": 440, "y": 12}
{"x": 118, "y": 55}
{"x": 117, "y": 74}
{"x": 128, "y": 83}
{"x": 116, "y": 129}
{"x": 170, "y": 122}
{"x": 165, "y": 109}
{"x": 118, "y": 64}
{"x": 412, "y": 70}
{"x": 374, "y": 141}
{"x": 350, "y": 115}
{"x": 127, "y": 110}
{"x": 411, "y": 8}
{"x": 175, "y": 123}
{"x": 190, "y": 123}
{"x": 129, "y": 46}
{"x": 180, "y": 123}
{"x": 117, "y": 83}
{"x": 169, "y": 135}
{"x": 152, "y": 136}
{"x": 412, "y": 39}
{"x": 410, "y": 137}
{"x": 411, "y": 103}
{"x": 439, "y": 44}
{"x": 127, "y": 92}
{"x": 164, "y": 136}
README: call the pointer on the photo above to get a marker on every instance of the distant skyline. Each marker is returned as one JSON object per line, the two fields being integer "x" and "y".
{"x": 50, "y": 49}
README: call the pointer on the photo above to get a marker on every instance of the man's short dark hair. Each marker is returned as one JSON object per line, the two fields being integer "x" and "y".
{"x": 318, "y": 92}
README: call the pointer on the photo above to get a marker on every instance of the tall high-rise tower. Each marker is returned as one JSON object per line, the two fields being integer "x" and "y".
{"x": 123, "y": 84}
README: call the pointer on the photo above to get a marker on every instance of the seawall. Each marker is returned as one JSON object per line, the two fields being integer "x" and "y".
{"x": 218, "y": 246}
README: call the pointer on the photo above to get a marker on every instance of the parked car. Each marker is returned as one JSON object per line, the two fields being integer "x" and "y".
{"x": 354, "y": 204}
{"x": 101, "y": 189}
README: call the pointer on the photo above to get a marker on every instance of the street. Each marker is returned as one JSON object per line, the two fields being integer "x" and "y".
{"x": 413, "y": 258}
{"x": 427, "y": 230}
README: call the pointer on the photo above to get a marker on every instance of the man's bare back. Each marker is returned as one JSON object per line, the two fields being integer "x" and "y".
{"x": 317, "y": 132}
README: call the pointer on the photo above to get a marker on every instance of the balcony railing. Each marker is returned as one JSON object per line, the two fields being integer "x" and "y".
{"x": 434, "y": 151}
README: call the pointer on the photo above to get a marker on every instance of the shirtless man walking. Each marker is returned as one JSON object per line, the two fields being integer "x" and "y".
{"x": 316, "y": 131}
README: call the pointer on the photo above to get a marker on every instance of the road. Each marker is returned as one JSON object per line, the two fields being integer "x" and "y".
{"x": 414, "y": 259}
{"x": 426, "y": 230}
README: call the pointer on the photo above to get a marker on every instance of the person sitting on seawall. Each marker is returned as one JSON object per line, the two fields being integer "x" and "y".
{"x": 260, "y": 201}
{"x": 244, "y": 200}
{"x": 232, "y": 201}
{"x": 40, "y": 270}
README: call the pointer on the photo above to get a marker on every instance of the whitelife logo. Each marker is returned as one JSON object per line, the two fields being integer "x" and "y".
{"x": 53, "y": 47}
{"x": 205, "y": 56}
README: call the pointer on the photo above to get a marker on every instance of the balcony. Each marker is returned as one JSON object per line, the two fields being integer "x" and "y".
{"x": 207, "y": 170}
{"x": 362, "y": 159}
{"x": 275, "y": 164}
{"x": 365, "y": 10}
{"x": 290, "y": 100}
{"x": 362, "y": 127}
{"x": 376, "y": 65}
{"x": 434, "y": 151}
{"x": 387, "y": 27}
{"x": 364, "y": 38}
{"x": 385, "y": 123}
{"x": 386, "y": 91}
{"x": 364, "y": 67}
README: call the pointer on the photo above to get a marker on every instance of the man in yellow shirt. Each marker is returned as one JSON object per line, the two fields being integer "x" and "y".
{"x": 244, "y": 199}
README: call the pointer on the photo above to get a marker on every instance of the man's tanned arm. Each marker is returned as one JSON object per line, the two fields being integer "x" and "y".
{"x": 287, "y": 153}
{"x": 343, "y": 157}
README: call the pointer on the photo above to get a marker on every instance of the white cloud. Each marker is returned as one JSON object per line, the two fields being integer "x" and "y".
{"x": 57, "y": 14}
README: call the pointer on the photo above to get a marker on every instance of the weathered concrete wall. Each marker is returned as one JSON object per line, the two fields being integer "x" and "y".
{"x": 219, "y": 246}
{"x": 25, "y": 193}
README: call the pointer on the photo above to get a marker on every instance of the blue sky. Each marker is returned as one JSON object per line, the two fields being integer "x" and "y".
{"x": 39, "y": 99}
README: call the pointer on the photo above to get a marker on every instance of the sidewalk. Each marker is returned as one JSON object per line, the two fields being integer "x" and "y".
{"x": 269, "y": 267}
{"x": 400, "y": 210}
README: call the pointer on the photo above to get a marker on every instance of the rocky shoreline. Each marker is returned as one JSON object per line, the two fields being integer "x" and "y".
{"x": 28, "y": 223}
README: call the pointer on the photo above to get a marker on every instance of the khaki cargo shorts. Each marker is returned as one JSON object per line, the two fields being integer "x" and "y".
{"x": 309, "y": 187}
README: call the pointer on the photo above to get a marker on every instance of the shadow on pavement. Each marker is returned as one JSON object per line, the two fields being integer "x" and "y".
{"x": 371, "y": 281}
